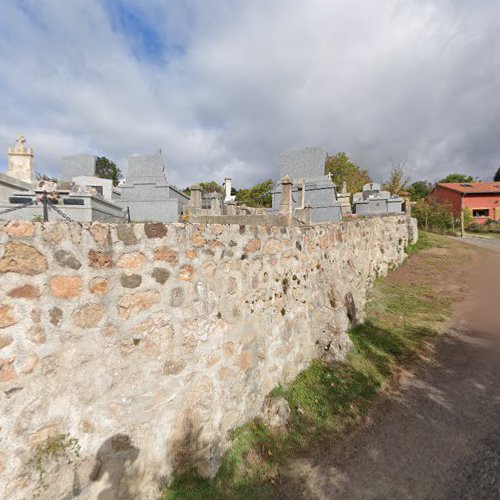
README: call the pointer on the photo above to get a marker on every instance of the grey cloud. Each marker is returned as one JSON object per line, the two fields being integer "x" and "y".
{"x": 413, "y": 81}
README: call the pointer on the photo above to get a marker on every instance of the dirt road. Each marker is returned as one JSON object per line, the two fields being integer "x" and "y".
{"x": 438, "y": 435}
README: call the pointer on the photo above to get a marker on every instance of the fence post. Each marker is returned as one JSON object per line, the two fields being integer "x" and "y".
{"x": 128, "y": 214}
{"x": 45, "y": 207}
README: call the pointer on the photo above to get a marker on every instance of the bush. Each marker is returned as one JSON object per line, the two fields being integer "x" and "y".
{"x": 435, "y": 217}
{"x": 489, "y": 226}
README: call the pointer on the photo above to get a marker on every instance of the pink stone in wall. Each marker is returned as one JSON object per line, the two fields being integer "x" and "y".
{"x": 190, "y": 253}
{"x": 24, "y": 292}
{"x": 252, "y": 245}
{"x": 99, "y": 232}
{"x": 166, "y": 254}
{"x": 98, "y": 286}
{"x": 30, "y": 364}
{"x": 186, "y": 273}
{"x": 100, "y": 260}
{"x": 132, "y": 260}
{"x": 23, "y": 259}
{"x": 65, "y": 287}
{"x": 7, "y": 371}
{"x": 272, "y": 247}
{"x": 133, "y": 303}
{"x": 197, "y": 240}
{"x": 7, "y": 317}
{"x": 89, "y": 315}
{"x": 20, "y": 229}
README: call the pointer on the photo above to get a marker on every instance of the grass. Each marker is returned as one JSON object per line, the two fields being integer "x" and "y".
{"x": 482, "y": 235}
{"x": 402, "y": 312}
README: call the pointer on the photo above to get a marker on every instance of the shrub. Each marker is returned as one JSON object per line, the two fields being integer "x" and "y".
{"x": 489, "y": 226}
{"x": 435, "y": 216}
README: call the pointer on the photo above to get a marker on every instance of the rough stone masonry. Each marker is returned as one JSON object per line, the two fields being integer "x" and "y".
{"x": 130, "y": 351}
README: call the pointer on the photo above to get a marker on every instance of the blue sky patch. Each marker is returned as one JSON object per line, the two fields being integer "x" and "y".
{"x": 146, "y": 43}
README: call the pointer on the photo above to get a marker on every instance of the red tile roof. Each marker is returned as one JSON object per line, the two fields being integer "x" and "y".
{"x": 472, "y": 187}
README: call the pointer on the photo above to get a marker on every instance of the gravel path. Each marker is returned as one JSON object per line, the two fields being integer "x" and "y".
{"x": 438, "y": 435}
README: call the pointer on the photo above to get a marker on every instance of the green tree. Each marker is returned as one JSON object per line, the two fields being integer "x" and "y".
{"x": 210, "y": 187}
{"x": 343, "y": 169}
{"x": 457, "y": 178}
{"x": 497, "y": 176}
{"x": 256, "y": 196}
{"x": 419, "y": 190}
{"x": 107, "y": 169}
{"x": 398, "y": 180}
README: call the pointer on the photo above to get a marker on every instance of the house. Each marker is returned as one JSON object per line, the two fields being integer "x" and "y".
{"x": 481, "y": 198}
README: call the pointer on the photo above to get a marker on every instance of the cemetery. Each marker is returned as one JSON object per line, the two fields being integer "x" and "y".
{"x": 212, "y": 281}
{"x": 373, "y": 201}
{"x": 303, "y": 195}
{"x": 168, "y": 334}
{"x": 306, "y": 168}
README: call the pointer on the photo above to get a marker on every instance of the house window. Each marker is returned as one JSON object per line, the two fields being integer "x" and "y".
{"x": 480, "y": 212}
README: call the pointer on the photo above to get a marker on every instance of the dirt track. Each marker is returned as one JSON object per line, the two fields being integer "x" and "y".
{"x": 438, "y": 435}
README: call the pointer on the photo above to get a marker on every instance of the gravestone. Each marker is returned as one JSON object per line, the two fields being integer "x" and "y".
{"x": 146, "y": 169}
{"x": 304, "y": 163}
{"x": 147, "y": 193}
{"x": 78, "y": 166}
{"x": 373, "y": 201}
{"x": 306, "y": 168}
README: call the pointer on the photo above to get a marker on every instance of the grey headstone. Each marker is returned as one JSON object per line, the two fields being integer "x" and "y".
{"x": 78, "y": 165}
{"x": 146, "y": 169}
{"x": 371, "y": 186}
{"x": 308, "y": 162}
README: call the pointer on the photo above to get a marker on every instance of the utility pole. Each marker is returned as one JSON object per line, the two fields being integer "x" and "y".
{"x": 462, "y": 217}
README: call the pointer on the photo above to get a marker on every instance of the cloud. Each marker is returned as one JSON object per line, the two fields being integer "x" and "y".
{"x": 223, "y": 87}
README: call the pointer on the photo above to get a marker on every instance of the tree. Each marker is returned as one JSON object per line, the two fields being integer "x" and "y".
{"x": 398, "y": 181}
{"x": 39, "y": 176}
{"x": 343, "y": 169}
{"x": 259, "y": 195}
{"x": 457, "y": 178}
{"x": 419, "y": 190}
{"x": 497, "y": 176}
{"x": 210, "y": 187}
{"x": 107, "y": 169}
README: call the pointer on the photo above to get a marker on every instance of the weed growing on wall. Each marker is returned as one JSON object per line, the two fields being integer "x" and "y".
{"x": 52, "y": 453}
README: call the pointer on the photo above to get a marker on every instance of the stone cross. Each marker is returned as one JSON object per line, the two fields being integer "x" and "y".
{"x": 20, "y": 141}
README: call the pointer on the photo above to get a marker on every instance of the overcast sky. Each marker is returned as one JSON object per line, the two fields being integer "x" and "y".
{"x": 224, "y": 86}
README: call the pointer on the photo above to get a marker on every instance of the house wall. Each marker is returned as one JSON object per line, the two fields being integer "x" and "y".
{"x": 471, "y": 201}
{"x": 443, "y": 195}
{"x": 489, "y": 201}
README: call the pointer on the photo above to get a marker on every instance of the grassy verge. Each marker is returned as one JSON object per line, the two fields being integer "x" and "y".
{"x": 403, "y": 311}
{"x": 482, "y": 235}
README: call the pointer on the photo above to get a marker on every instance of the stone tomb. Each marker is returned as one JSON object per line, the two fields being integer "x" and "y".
{"x": 306, "y": 168}
{"x": 374, "y": 201}
{"x": 148, "y": 194}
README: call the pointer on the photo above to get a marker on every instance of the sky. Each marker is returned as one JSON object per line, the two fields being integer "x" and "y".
{"x": 223, "y": 87}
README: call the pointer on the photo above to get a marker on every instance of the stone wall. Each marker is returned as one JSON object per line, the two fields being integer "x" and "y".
{"x": 129, "y": 351}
